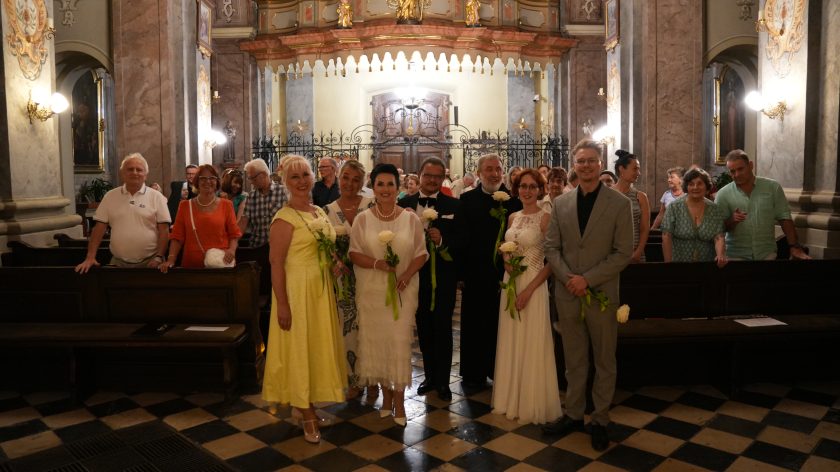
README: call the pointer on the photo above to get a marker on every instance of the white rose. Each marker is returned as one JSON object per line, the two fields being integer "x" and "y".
{"x": 508, "y": 247}
{"x": 500, "y": 196}
{"x": 340, "y": 230}
{"x": 316, "y": 225}
{"x": 386, "y": 236}
{"x": 430, "y": 214}
{"x": 623, "y": 313}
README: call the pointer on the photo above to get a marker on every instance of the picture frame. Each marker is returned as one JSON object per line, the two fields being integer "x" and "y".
{"x": 611, "y": 24}
{"x": 204, "y": 27}
{"x": 730, "y": 114}
{"x": 88, "y": 125}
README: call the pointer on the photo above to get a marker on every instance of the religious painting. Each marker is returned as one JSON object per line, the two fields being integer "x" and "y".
{"x": 730, "y": 114}
{"x": 784, "y": 20}
{"x": 611, "y": 24}
{"x": 87, "y": 125}
{"x": 204, "y": 27}
{"x": 28, "y": 33}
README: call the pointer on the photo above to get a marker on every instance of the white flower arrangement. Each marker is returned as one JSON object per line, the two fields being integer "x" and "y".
{"x": 623, "y": 313}
{"x": 386, "y": 236}
{"x": 430, "y": 214}
{"x": 340, "y": 230}
{"x": 508, "y": 247}
{"x": 500, "y": 196}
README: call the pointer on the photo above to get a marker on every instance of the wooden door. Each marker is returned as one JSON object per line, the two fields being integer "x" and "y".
{"x": 407, "y": 137}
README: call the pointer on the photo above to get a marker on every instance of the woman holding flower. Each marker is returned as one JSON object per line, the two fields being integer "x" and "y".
{"x": 525, "y": 380}
{"x": 387, "y": 248}
{"x": 304, "y": 358}
{"x": 341, "y": 214}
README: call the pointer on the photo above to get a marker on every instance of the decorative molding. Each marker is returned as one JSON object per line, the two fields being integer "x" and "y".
{"x": 585, "y": 30}
{"x": 228, "y": 10}
{"x": 68, "y": 9}
{"x": 746, "y": 9}
{"x": 28, "y": 35}
{"x": 784, "y": 20}
{"x": 235, "y": 32}
{"x": 203, "y": 92}
{"x": 591, "y": 9}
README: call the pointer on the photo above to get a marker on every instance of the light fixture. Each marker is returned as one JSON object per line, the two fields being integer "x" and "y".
{"x": 300, "y": 126}
{"x": 412, "y": 99}
{"x": 755, "y": 101}
{"x": 214, "y": 138}
{"x": 521, "y": 124}
{"x": 216, "y": 97}
{"x": 43, "y": 106}
{"x": 604, "y": 135}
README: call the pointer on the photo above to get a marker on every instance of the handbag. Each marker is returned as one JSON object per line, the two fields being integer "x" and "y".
{"x": 214, "y": 258}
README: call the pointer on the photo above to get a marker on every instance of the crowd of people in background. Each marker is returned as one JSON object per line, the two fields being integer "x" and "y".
{"x": 358, "y": 259}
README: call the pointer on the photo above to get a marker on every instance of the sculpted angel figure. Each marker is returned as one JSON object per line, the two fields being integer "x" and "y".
{"x": 345, "y": 14}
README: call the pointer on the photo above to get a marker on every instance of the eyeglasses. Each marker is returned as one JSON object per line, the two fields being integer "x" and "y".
{"x": 255, "y": 177}
{"x": 206, "y": 178}
{"x": 583, "y": 162}
{"x": 531, "y": 187}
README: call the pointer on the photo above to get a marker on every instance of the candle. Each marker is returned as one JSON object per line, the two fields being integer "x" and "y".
{"x": 600, "y": 90}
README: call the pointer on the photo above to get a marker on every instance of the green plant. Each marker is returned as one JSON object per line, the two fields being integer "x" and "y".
{"x": 722, "y": 179}
{"x": 95, "y": 190}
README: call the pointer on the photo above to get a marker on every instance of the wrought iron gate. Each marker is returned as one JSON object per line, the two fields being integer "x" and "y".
{"x": 515, "y": 149}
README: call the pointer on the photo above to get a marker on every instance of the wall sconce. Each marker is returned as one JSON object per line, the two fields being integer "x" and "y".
{"x": 604, "y": 135}
{"x": 521, "y": 124}
{"x": 300, "y": 126}
{"x": 214, "y": 138}
{"x": 43, "y": 106}
{"x": 755, "y": 101}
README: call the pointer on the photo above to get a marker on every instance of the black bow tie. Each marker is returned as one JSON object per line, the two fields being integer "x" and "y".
{"x": 427, "y": 202}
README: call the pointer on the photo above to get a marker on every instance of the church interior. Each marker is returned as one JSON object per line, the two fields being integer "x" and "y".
{"x": 222, "y": 82}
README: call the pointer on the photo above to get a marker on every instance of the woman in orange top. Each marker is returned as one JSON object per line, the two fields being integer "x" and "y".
{"x": 215, "y": 224}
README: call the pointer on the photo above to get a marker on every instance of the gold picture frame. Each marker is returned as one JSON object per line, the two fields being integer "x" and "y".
{"x": 611, "y": 24}
{"x": 204, "y": 27}
{"x": 88, "y": 124}
{"x": 728, "y": 118}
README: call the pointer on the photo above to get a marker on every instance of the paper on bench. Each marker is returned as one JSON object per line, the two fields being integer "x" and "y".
{"x": 207, "y": 328}
{"x": 756, "y": 322}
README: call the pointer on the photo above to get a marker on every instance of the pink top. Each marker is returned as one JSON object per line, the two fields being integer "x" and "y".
{"x": 215, "y": 230}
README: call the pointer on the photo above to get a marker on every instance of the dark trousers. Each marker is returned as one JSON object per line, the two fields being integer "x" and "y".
{"x": 434, "y": 334}
{"x": 479, "y": 327}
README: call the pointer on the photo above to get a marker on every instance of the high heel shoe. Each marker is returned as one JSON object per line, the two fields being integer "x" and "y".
{"x": 313, "y": 437}
{"x": 400, "y": 421}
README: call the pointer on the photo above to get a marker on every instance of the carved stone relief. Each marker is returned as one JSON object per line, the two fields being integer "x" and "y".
{"x": 28, "y": 34}
{"x": 585, "y": 11}
{"x": 746, "y": 9}
{"x": 784, "y": 20}
{"x": 68, "y": 12}
{"x": 228, "y": 10}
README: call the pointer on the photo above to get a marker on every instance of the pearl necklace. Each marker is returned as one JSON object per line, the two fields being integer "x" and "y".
{"x": 385, "y": 217}
{"x": 198, "y": 201}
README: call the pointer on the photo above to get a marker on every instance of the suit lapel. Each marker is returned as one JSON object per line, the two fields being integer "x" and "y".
{"x": 597, "y": 211}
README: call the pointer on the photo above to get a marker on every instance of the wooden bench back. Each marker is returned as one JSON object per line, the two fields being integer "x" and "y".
{"x": 683, "y": 290}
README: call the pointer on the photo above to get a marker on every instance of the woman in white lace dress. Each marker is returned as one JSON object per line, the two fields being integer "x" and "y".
{"x": 525, "y": 380}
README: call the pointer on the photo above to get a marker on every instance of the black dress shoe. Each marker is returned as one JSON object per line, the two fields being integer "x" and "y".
{"x": 600, "y": 440}
{"x": 444, "y": 393}
{"x": 563, "y": 426}
{"x": 425, "y": 388}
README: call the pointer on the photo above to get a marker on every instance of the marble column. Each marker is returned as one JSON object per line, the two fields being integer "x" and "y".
{"x": 32, "y": 203}
{"x": 585, "y": 74}
{"x": 801, "y": 152}
{"x": 155, "y": 77}
{"x": 235, "y": 77}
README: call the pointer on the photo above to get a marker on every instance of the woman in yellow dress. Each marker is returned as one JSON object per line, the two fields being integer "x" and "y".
{"x": 305, "y": 355}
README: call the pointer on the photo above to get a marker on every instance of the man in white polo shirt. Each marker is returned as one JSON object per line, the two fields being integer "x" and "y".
{"x": 138, "y": 217}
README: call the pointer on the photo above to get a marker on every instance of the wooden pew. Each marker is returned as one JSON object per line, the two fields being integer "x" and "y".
{"x": 693, "y": 307}
{"x": 66, "y": 241}
{"x": 25, "y": 255}
{"x": 54, "y": 307}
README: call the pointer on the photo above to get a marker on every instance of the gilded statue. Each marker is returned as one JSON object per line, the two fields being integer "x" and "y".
{"x": 471, "y": 13}
{"x": 409, "y": 12}
{"x": 345, "y": 14}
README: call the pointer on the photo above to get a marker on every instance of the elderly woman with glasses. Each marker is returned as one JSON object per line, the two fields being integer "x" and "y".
{"x": 203, "y": 223}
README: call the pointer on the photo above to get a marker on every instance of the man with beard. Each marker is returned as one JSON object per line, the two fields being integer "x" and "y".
{"x": 480, "y": 221}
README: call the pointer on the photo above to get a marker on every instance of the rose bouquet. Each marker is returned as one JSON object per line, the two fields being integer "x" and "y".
{"x": 392, "y": 259}
{"x": 517, "y": 269}
{"x": 342, "y": 253}
{"x": 326, "y": 246}
{"x": 499, "y": 213}
{"x": 586, "y": 301}
{"x": 430, "y": 215}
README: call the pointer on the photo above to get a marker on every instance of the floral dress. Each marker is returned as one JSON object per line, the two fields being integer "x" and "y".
{"x": 693, "y": 243}
{"x": 347, "y": 312}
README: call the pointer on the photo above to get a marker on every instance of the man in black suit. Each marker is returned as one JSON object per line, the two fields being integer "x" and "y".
{"x": 482, "y": 270}
{"x": 181, "y": 190}
{"x": 434, "y": 326}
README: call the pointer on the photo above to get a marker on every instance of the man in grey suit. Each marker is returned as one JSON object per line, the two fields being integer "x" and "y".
{"x": 589, "y": 242}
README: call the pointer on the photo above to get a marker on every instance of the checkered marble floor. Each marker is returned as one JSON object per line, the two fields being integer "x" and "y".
{"x": 766, "y": 427}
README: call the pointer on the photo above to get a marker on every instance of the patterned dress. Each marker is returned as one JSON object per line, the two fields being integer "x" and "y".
{"x": 633, "y": 195}
{"x": 347, "y": 312}
{"x": 693, "y": 243}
